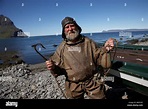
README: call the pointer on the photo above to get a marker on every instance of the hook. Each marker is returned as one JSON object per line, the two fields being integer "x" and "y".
{"x": 35, "y": 45}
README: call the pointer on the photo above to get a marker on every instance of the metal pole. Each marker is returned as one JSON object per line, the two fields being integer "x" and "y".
{"x": 34, "y": 46}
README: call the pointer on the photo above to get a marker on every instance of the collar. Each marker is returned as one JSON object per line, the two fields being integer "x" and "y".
{"x": 81, "y": 39}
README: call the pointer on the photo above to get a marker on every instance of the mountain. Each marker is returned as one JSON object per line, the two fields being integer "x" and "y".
{"x": 8, "y": 29}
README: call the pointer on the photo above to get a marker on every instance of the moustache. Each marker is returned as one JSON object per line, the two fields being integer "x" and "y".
{"x": 69, "y": 32}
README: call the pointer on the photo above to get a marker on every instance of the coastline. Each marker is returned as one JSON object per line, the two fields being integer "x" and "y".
{"x": 142, "y": 43}
{"x": 23, "y": 81}
{"x": 38, "y": 67}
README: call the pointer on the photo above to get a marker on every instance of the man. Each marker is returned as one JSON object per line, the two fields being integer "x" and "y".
{"x": 78, "y": 58}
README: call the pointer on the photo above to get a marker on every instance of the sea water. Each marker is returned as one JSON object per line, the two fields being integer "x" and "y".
{"x": 24, "y": 45}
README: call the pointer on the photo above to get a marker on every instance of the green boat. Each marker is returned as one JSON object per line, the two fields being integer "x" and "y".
{"x": 134, "y": 76}
{"x": 133, "y": 47}
{"x": 131, "y": 67}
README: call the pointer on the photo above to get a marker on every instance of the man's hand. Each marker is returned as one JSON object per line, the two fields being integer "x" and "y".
{"x": 109, "y": 44}
{"x": 50, "y": 65}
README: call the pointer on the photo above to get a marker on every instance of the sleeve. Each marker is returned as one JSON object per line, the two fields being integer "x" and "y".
{"x": 57, "y": 59}
{"x": 105, "y": 59}
{"x": 102, "y": 57}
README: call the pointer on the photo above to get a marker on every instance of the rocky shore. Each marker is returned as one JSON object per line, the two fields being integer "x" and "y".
{"x": 24, "y": 81}
{"x": 142, "y": 43}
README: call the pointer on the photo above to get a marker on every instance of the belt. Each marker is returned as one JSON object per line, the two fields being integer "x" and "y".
{"x": 80, "y": 82}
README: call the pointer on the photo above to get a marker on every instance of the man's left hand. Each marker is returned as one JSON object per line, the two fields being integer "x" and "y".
{"x": 109, "y": 44}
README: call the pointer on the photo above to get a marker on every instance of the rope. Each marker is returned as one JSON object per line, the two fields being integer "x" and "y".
{"x": 106, "y": 72}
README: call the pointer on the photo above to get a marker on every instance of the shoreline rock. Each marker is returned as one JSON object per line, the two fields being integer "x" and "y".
{"x": 24, "y": 82}
{"x": 9, "y": 58}
{"x": 142, "y": 43}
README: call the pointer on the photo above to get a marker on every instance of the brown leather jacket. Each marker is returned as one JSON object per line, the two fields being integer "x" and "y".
{"x": 80, "y": 60}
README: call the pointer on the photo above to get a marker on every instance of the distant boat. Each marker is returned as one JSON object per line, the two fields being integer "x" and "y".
{"x": 145, "y": 35}
{"x": 90, "y": 34}
{"x": 57, "y": 34}
{"x": 55, "y": 45}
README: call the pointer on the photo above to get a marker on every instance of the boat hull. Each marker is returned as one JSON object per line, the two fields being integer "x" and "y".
{"x": 137, "y": 84}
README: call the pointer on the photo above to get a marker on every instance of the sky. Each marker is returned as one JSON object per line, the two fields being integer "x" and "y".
{"x": 43, "y": 17}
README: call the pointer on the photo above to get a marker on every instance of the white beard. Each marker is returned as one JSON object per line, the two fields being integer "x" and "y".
{"x": 72, "y": 35}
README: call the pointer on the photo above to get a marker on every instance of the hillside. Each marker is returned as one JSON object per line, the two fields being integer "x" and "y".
{"x": 8, "y": 29}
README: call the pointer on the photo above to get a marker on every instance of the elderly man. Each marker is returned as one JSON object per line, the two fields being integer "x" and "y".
{"x": 78, "y": 58}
